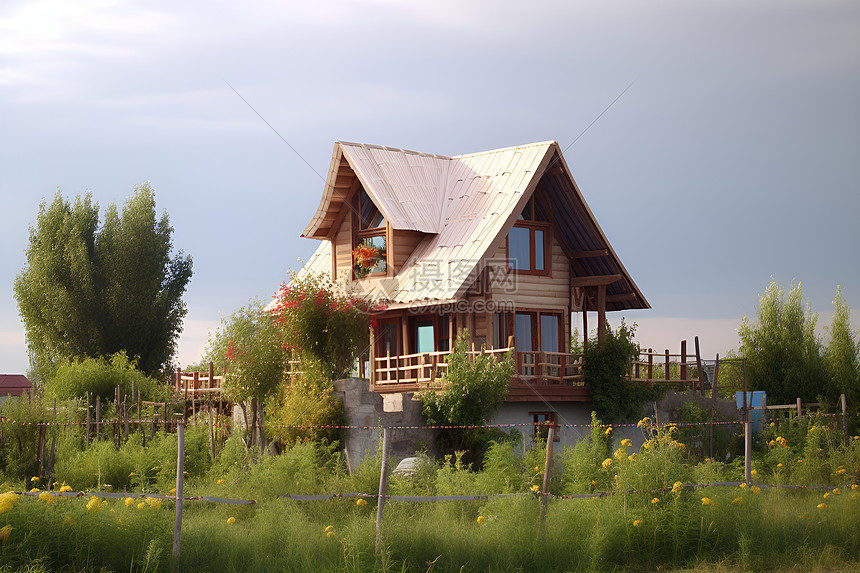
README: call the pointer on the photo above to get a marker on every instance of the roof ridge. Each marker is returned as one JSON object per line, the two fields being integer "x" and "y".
{"x": 524, "y": 145}
{"x": 394, "y": 149}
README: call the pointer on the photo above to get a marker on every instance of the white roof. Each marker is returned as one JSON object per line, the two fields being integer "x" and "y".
{"x": 466, "y": 204}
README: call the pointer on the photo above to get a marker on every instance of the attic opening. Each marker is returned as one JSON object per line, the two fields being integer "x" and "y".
{"x": 369, "y": 238}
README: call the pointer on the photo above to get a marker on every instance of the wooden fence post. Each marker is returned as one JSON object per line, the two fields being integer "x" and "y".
{"x": 180, "y": 469}
{"x": 544, "y": 494}
{"x": 684, "y": 364}
{"x": 89, "y": 417}
{"x": 383, "y": 487}
{"x": 844, "y": 403}
{"x": 98, "y": 417}
{"x": 799, "y": 408}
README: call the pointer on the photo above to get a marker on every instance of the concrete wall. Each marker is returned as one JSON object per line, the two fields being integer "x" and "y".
{"x": 369, "y": 409}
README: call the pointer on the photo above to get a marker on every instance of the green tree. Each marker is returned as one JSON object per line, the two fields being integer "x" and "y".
{"x": 842, "y": 354}
{"x": 605, "y": 367}
{"x": 324, "y": 327}
{"x": 783, "y": 353}
{"x": 91, "y": 292}
{"x": 248, "y": 347}
{"x": 73, "y": 378}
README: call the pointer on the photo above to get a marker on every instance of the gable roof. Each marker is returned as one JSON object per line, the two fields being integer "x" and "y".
{"x": 14, "y": 384}
{"x": 466, "y": 205}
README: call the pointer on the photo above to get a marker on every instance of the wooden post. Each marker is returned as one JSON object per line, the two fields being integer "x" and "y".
{"x": 684, "y": 363}
{"x": 799, "y": 408}
{"x": 383, "y": 487}
{"x": 650, "y": 364}
{"x": 98, "y": 417}
{"x": 699, "y": 372}
{"x": 601, "y": 313}
{"x": 139, "y": 423}
{"x": 666, "y": 373}
{"x": 89, "y": 418}
{"x": 844, "y": 403}
{"x": 747, "y": 451}
{"x": 41, "y": 448}
{"x": 764, "y": 410}
{"x": 180, "y": 471}
{"x": 585, "y": 325}
{"x": 372, "y": 359}
{"x": 714, "y": 393}
{"x": 544, "y": 495}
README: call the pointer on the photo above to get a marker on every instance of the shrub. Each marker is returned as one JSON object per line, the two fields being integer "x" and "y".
{"x": 100, "y": 377}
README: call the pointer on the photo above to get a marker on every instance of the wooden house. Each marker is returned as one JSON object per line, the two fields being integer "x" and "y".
{"x": 501, "y": 243}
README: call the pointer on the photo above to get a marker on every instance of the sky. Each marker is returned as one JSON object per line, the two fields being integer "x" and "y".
{"x": 731, "y": 156}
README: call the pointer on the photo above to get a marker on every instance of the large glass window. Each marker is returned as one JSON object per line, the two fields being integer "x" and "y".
{"x": 527, "y": 243}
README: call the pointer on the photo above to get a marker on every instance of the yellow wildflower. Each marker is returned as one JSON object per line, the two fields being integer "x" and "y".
{"x": 608, "y": 430}
{"x": 637, "y": 522}
{"x": 141, "y": 505}
{"x": 753, "y": 473}
{"x": 95, "y": 504}
{"x": 707, "y": 501}
{"x": 836, "y": 491}
{"x": 536, "y": 488}
{"x": 737, "y": 501}
{"x": 329, "y": 528}
{"x": 772, "y": 424}
{"x": 626, "y": 442}
{"x": 593, "y": 482}
{"x": 34, "y": 490}
{"x": 65, "y": 487}
{"x": 361, "y": 501}
{"x": 46, "y": 497}
{"x": 617, "y": 481}
{"x": 153, "y": 503}
{"x": 655, "y": 500}
{"x": 231, "y": 520}
{"x": 826, "y": 495}
{"x": 220, "y": 481}
{"x": 5, "y": 531}
{"x": 131, "y": 474}
{"x": 779, "y": 465}
{"x": 607, "y": 462}
{"x": 755, "y": 489}
{"x": 129, "y": 501}
{"x": 853, "y": 486}
{"x": 822, "y": 506}
{"x": 743, "y": 484}
{"x": 800, "y": 461}
{"x": 644, "y": 422}
{"x": 34, "y": 479}
{"x": 7, "y": 500}
{"x": 620, "y": 454}
{"x": 480, "y": 519}
{"x": 632, "y": 457}
{"x": 172, "y": 491}
{"x": 676, "y": 487}
{"x": 537, "y": 469}
{"x": 330, "y": 534}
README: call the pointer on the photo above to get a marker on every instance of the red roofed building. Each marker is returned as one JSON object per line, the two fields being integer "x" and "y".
{"x": 14, "y": 385}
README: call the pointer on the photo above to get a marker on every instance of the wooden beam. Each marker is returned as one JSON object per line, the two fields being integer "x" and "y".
{"x": 595, "y": 280}
{"x": 588, "y": 254}
{"x": 345, "y": 209}
{"x": 621, "y": 297}
{"x": 601, "y": 313}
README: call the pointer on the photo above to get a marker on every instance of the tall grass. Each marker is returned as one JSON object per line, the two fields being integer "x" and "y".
{"x": 652, "y": 517}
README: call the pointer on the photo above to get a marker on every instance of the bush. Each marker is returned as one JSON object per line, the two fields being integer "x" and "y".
{"x": 100, "y": 377}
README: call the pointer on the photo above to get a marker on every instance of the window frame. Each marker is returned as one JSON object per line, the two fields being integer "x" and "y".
{"x": 359, "y": 235}
{"x": 528, "y": 220}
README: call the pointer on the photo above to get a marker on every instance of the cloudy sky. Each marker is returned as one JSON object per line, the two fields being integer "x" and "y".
{"x": 733, "y": 156}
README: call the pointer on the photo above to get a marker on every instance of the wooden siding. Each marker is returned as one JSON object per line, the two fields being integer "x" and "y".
{"x": 402, "y": 245}
{"x": 343, "y": 250}
{"x": 550, "y": 292}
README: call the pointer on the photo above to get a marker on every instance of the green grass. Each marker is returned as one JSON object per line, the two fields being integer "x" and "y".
{"x": 735, "y": 529}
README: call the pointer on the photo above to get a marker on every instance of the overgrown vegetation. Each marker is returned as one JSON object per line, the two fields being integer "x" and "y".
{"x": 604, "y": 368}
{"x": 469, "y": 393}
{"x": 651, "y": 518}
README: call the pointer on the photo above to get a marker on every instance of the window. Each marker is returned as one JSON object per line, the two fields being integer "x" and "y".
{"x": 542, "y": 421}
{"x": 370, "y": 249}
{"x": 528, "y": 243}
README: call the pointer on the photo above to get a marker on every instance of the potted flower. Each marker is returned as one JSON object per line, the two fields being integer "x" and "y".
{"x": 366, "y": 257}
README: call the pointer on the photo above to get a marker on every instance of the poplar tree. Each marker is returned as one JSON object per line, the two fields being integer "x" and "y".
{"x": 91, "y": 291}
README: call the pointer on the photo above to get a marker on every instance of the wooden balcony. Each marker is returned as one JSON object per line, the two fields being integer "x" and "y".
{"x": 553, "y": 376}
